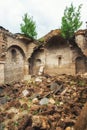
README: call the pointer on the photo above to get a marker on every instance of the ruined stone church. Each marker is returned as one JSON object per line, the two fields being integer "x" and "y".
{"x": 21, "y": 56}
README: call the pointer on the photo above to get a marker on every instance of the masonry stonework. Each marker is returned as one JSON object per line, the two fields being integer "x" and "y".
{"x": 14, "y": 51}
{"x": 21, "y": 56}
{"x": 2, "y": 74}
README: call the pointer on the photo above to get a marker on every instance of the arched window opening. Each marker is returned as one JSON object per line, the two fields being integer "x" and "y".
{"x": 14, "y": 55}
{"x": 59, "y": 60}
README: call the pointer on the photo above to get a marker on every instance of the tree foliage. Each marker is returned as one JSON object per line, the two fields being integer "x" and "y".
{"x": 28, "y": 27}
{"x": 70, "y": 21}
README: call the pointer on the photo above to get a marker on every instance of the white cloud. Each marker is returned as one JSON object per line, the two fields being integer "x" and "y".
{"x": 46, "y": 13}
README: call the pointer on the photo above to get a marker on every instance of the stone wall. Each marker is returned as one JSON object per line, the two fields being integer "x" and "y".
{"x": 56, "y": 61}
{"x": 15, "y": 50}
{"x": 82, "y": 43}
{"x": 2, "y": 72}
{"x": 11, "y": 41}
{"x": 80, "y": 40}
{"x": 30, "y": 49}
{"x": 19, "y": 57}
{"x": 3, "y": 47}
{"x": 66, "y": 69}
{"x": 59, "y": 61}
{"x": 14, "y": 66}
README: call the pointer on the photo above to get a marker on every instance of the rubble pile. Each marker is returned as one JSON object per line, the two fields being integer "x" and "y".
{"x": 43, "y": 103}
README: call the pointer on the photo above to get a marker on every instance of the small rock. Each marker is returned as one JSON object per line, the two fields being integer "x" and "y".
{"x": 38, "y": 79}
{"x": 35, "y": 100}
{"x": 24, "y": 106}
{"x": 27, "y": 77}
{"x": 25, "y": 92}
{"x": 61, "y": 103}
{"x": 41, "y": 91}
{"x": 41, "y": 70}
{"x": 54, "y": 86}
{"x": 3, "y": 100}
{"x": 36, "y": 96}
{"x": 74, "y": 94}
{"x": 41, "y": 122}
{"x": 36, "y": 121}
{"x": 30, "y": 128}
{"x": 51, "y": 100}
{"x": 2, "y": 126}
{"x": 13, "y": 110}
{"x": 48, "y": 80}
{"x": 68, "y": 128}
{"x": 1, "y": 90}
{"x": 44, "y": 101}
{"x": 59, "y": 128}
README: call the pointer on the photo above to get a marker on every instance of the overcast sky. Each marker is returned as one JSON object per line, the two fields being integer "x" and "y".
{"x": 46, "y": 13}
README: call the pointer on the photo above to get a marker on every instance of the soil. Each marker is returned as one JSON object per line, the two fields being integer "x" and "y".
{"x": 54, "y": 103}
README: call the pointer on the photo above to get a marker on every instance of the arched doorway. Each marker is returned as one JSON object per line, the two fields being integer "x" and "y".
{"x": 34, "y": 65}
{"x": 35, "y": 61}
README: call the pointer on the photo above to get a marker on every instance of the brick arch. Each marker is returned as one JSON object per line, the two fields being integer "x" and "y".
{"x": 19, "y": 48}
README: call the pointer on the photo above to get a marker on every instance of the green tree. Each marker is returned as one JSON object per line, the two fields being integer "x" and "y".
{"x": 70, "y": 21}
{"x": 28, "y": 27}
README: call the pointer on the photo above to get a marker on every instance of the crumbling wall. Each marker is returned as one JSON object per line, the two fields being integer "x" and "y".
{"x": 14, "y": 66}
{"x": 2, "y": 72}
{"x": 30, "y": 49}
{"x": 55, "y": 55}
{"x": 80, "y": 64}
{"x": 81, "y": 41}
{"x": 15, "y": 50}
{"x": 29, "y": 63}
{"x": 59, "y": 60}
{"x": 3, "y": 46}
{"x": 56, "y": 60}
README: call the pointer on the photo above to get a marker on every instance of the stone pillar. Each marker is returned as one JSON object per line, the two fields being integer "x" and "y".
{"x": 2, "y": 78}
{"x": 27, "y": 77}
{"x": 26, "y": 68}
